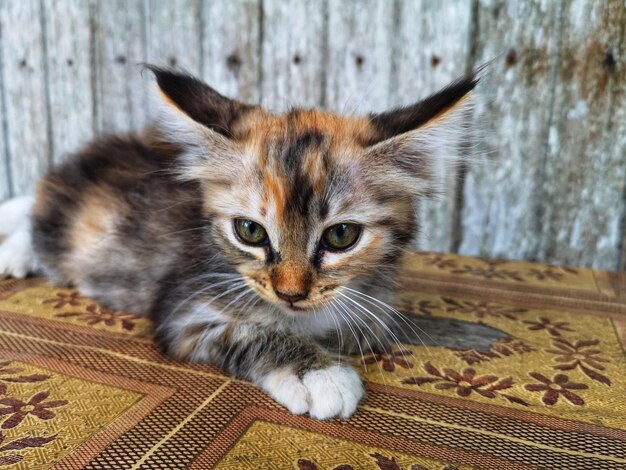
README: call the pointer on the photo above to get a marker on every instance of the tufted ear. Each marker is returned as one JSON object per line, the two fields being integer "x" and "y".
{"x": 202, "y": 122}
{"x": 415, "y": 143}
{"x": 199, "y": 101}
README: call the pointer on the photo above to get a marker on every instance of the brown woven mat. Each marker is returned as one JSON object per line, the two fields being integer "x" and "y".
{"x": 81, "y": 387}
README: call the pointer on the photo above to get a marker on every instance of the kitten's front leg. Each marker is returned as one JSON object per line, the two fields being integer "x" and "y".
{"x": 294, "y": 370}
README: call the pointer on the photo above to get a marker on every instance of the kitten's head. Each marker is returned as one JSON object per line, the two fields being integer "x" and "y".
{"x": 306, "y": 203}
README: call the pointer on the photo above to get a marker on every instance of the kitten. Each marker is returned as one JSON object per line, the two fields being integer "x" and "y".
{"x": 257, "y": 242}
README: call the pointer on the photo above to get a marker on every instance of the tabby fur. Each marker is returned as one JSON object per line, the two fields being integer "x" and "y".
{"x": 144, "y": 224}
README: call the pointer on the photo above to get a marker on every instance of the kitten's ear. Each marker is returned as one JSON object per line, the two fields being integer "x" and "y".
{"x": 415, "y": 143}
{"x": 198, "y": 101}
{"x": 202, "y": 122}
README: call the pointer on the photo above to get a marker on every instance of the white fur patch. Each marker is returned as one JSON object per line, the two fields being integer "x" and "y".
{"x": 316, "y": 322}
{"x": 17, "y": 258}
{"x": 13, "y": 212}
{"x": 288, "y": 390}
{"x": 324, "y": 393}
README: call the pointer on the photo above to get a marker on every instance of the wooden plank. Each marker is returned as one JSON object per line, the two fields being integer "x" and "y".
{"x": 68, "y": 42}
{"x": 585, "y": 167}
{"x": 231, "y": 42}
{"x": 431, "y": 49}
{"x": 293, "y": 54}
{"x": 173, "y": 36}
{"x": 502, "y": 195}
{"x": 121, "y": 92}
{"x": 5, "y": 181}
{"x": 24, "y": 80}
{"x": 359, "y": 45}
{"x": 619, "y": 120}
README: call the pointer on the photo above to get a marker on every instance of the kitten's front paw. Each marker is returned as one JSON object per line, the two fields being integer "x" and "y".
{"x": 324, "y": 393}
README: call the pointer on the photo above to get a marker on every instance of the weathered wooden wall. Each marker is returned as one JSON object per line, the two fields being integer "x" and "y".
{"x": 552, "y": 186}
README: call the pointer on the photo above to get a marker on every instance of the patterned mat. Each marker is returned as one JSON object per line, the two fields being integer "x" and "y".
{"x": 83, "y": 387}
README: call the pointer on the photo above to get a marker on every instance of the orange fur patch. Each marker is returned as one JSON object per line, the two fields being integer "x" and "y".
{"x": 259, "y": 132}
{"x": 259, "y": 128}
{"x": 92, "y": 221}
{"x": 314, "y": 168}
{"x": 291, "y": 278}
{"x": 276, "y": 189}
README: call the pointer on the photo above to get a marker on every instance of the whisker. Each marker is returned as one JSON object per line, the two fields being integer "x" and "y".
{"x": 204, "y": 276}
{"x": 338, "y": 327}
{"x": 200, "y": 292}
{"x": 328, "y": 313}
{"x": 380, "y": 370}
{"x": 236, "y": 299}
{"x": 356, "y": 338}
{"x": 253, "y": 297}
{"x": 374, "y": 336}
{"x": 250, "y": 305}
{"x": 371, "y": 315}
{"x": 226, "y": 292}
{"x": 205, "y": 290}
{"x": 382, "y": 323}
{"x": 399, "y": 314}
{"x": 387, "y": 315}
{"x": 226, "y": 277}
{"x": 180, "y": 231}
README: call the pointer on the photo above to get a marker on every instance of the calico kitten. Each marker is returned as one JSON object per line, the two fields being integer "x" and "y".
{"x": 257, "y": 242}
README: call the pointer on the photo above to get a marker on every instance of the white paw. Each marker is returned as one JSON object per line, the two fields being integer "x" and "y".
{"x": 13, "y": 212}
{"x": 324, "y": 393}
{"x": 16, "y": 254}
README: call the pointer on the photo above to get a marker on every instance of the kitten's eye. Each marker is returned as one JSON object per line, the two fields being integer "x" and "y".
{"x": 250, "y": 232}
{"x": 341, "y": 236}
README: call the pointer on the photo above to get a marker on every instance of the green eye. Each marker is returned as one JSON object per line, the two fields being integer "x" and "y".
{"x": 341, "y": 236}
{"x": 250, "y": 232}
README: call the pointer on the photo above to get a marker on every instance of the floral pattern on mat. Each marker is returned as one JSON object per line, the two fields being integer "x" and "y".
{"x": 582, "y": 355}
{"x": 68, "y": 306}
{"x": 553, "y": 363}
{"x": 13, "y": 411}
{"x": 381, "y": 461}
{"x": 516, "y": 272}
{"x": 43, "y": 414}
{"x": 93, "y": 315}
{"x": 389, "y": 361}
{"x": 503, "y": 348}
{"x": 270, "y": 445}
{"x": 477, "y": 309}
{"x": 552, "y": 389}
{"x": 82, "y": 384}
{"x": 466, "y": 382}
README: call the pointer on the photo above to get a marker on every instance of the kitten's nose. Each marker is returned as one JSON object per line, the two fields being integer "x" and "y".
{"x": 291, "y": 297}
{"x": 291, "y": 281}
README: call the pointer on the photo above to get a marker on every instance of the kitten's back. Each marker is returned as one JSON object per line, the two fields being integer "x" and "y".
{"x": 111, "y": 220}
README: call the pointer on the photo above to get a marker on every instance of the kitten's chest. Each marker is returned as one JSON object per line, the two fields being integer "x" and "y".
{"x": 317, "y": 323}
